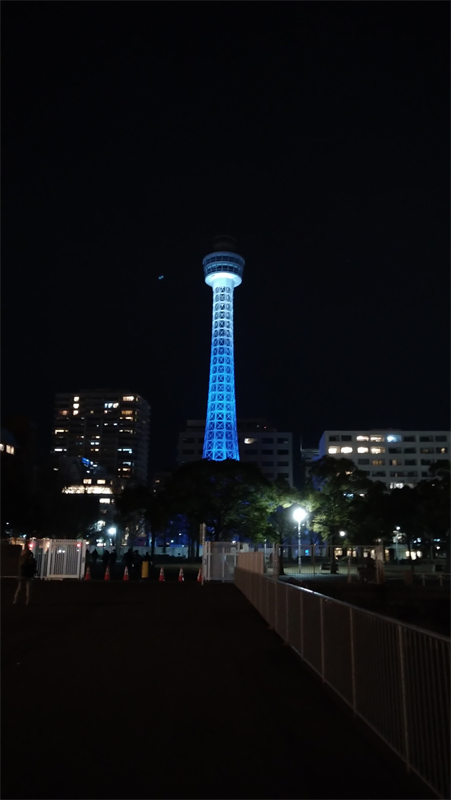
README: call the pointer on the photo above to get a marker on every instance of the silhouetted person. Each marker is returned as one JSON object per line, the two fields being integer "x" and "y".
{"x": 94, "y": 558}
{"x": 113, "y": 559}
{"x": 27, "y": 569}
{"x": 106, "y": 558}
{"x": 128, "y": 559}
{"x": 136, "y": 564}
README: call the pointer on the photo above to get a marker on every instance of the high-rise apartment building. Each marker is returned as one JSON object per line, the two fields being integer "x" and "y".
{"x": 107, "y": 428}
{"x": 271, "y": 450}
{"x": 396, "y": 458}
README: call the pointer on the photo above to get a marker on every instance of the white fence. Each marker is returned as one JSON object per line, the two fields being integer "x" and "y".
{"x": 394, "y": 676}
{"x": 219, "y": 561}
{"x": 59, "y": 558}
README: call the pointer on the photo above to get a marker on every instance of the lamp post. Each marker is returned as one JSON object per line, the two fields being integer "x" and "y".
{"x": 299, "y": 515}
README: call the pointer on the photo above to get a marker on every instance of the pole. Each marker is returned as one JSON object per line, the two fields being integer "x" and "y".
{"x": 299, "y": 546}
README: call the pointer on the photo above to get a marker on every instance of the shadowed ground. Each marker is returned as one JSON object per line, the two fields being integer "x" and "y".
{"x": 174, "y": 690}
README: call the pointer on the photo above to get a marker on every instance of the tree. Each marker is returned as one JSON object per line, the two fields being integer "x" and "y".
{"x": 225, "y": 495}
{"x": 370, "y": 517}
{"x": 281, "y": 524}
{"x": 131, "y": 508}
{"x": 403, "y": 512}
{"x": 340, "y": 483}
{"x": 433, "y": 506}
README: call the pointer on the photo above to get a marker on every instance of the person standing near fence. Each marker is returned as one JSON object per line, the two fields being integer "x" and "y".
{"x": 113, "y": 558}
{"x": 106, "y": 559}
{"x": 27, "y": 569}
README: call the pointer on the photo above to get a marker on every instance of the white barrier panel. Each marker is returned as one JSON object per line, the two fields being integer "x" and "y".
{"x": 219, "y": 561}
{"x": 59, "y": 558}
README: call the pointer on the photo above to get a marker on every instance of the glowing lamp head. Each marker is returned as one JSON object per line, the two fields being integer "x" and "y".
{"x": 112, "y": 531}
{"x": 300, "y": 514}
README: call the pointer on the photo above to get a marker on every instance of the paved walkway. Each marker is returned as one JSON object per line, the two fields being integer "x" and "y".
{"x": 122, "y": 690}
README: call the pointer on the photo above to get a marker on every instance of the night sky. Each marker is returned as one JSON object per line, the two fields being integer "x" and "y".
{"x": 315, "y": 133}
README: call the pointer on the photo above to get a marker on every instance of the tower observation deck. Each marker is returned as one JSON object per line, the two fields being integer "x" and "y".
{"x": 223, "y": 271}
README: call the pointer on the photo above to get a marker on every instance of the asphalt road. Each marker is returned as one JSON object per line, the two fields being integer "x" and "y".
{"x": 174, "y": 690}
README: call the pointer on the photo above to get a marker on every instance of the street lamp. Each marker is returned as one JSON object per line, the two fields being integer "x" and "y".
{"x": 299, "y": 515}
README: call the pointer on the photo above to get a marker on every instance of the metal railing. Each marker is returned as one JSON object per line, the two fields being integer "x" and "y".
{"x": 394, "y": 676}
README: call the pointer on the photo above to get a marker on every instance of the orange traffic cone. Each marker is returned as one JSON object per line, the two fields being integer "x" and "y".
{"x": 107, "y": 574}
{"x": 181, "y": 578}
{"x": 125, "y": 578}
{"x": 161, "y": 578}
{"x": 199, "y": 577}
{"x": 88, "y": 574}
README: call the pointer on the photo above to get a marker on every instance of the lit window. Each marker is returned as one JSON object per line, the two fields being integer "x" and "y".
{"x": 441, "y": 449}
{"x": 10, "y": 449}
{"x": 362, "y": 438}
{"x": 76, "y": 399}
{"x": 346, "y": 450}
{"x": 61, "y": 430}
{"x": 332, "y": 450}
{"x": 64, "y": 413}
{"x": 87, "y": 480}
{"x": 108, "y": 405}
{"x": 76, "y": 405}
{"x": 250, "y": 441}
{"x": 376, "y": 438}
{"x": 75, "y": 412}
{"x": 376, "y": 450}
{"x": 362, "y": 450}
{"x": 129, "y": 398}
{"x": 128, "y": 412}
{"x": 396, "y": 485}
{"x": 394, "y": 437}
{"x": 101, "y": 480}
{"x": 377, "y": 463}
{"x": 58, "y": 449}
{"x": 2, "y": 446}
{"x": 104, "y": 500}
{"x": 395, "y": 462}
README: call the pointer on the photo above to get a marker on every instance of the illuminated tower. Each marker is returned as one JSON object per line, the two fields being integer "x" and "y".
{"x": 223, "y": 270}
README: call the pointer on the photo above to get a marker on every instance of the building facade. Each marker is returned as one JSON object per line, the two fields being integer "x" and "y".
{"x": 308, "y": 456}
{"x": 396, "y": 458}
{"x": 108, "y": 429}
{"x": 271, "y": 450}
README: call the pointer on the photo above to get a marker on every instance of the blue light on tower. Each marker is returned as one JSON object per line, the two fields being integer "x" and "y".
{"x": 223, "y": 270}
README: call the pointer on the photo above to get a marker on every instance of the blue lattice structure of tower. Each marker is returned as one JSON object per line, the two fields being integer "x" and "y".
{"x": 223, "y": 271}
